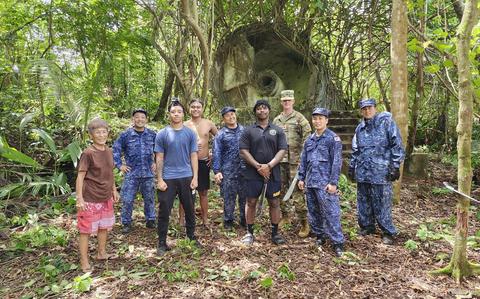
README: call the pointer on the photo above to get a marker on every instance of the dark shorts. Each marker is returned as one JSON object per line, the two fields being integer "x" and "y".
{"x": 255, "y": 188}
{"x": 203, "y": 175}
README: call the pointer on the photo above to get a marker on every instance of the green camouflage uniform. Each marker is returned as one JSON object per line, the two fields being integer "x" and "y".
{"x": 297, "y": 129}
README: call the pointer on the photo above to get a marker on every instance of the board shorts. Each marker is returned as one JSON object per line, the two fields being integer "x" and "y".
{"x": 255, "y": 188}
{"x": 97, "y": 215}
{"x": 203, "y": 175}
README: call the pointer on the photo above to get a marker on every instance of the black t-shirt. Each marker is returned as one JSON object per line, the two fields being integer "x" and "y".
{"x": 263, "y": 145}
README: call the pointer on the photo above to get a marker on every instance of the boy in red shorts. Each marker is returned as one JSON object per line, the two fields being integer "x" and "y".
{"x": 96, "y": 192}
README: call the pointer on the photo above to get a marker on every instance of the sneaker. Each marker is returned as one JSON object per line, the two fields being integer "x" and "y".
{"x": 278, "y": 239}
{"x": 387, "y": 239}
{"x": 338, "y": 248}
{"x": 162, "y": 249}
{"x": 126, "y": 229}
{"x": 366, "y": 231}
{"x": 150, "y": 224}
{"x": 228, "y": 225}
{"x": 320, "y": 241}
{"x": 248, "y": 239}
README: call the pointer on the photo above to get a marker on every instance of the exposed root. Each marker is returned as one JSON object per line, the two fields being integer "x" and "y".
{"x": 458, "y": 273}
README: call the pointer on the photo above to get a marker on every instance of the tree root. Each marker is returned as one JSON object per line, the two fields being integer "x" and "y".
{"x": 457, "y": 273}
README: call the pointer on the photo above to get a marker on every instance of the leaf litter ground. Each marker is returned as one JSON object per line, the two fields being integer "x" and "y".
{"x": 225, "y": 268}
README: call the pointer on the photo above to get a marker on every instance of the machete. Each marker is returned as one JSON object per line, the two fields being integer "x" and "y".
{"x": 290, "y": 190}
{"x": 262, "y": 198}
{"x": 461, "y": 193}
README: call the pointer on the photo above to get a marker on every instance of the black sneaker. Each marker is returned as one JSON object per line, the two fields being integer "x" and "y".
{"x": 150, "y": 224}
{"x": 162, "y": 249}
{"x": 127, "y": 228}
{"x": 228, "y": 225}
{"x": 387, "y": 239}
{"x": 338, "y": 248}
{"x": 366, "y": 231}
{"x": 278, "y": 239}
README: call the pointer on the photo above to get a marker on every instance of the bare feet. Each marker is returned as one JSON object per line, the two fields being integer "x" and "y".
{"x": 85, "y": 266}
{"x": 105, "y": 256}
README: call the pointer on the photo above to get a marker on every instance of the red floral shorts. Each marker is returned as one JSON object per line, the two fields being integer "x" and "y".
{"x": 97, "y": 215}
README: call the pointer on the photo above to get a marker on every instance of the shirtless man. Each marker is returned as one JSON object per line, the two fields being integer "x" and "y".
{"x": 204, "y": 128}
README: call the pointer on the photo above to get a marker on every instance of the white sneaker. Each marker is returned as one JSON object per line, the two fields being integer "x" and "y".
{"x": 248, "y": 239}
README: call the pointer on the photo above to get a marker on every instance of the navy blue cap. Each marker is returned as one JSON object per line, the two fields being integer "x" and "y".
{"x": 261, "y": 102}
{"x": 366, "y": 102}
{"x": 321, "y": 111}
{"x": 227, "y": 109}
{"x": 141, "y": 110}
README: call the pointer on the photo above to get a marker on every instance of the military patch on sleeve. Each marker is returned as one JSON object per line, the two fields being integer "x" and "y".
{"x": 336, "y": 138}
{"x": 276, "y": 194}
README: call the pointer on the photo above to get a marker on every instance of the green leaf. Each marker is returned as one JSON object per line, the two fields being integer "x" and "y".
{"x": 448, "y": 63}
{"x": 266, "y": 282}
{"x": 75, "y": 152}
{"x": 410, "y": 245}
{"x": 47, "y": 139}
{"x": 26, "y": 119}
{"x": 440, "y": 33}
{"x": 433, "y": 68}
{"x": 14, "y": 155}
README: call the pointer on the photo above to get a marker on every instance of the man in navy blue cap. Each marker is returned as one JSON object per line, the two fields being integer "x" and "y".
{"x": 262, "y": 146}
{"x": 227, "y": 166}
{"x": 319, "y": 170}
{"x": 136, "y": 146}
{"x": 375, "y": 163}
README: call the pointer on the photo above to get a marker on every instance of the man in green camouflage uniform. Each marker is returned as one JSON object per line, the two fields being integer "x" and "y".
{"x": 297, "y": 129}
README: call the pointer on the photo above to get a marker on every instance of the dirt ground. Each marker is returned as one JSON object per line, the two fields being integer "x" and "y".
{"x": 226, "y": 269}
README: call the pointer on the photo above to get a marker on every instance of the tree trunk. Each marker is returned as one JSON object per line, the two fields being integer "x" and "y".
{"x": 419, "y": 91}
{"x": 167, "y": 91}
{"x": 398, "y": 53}
{"x": 459, "y": 267}
{"x": 464, "y": 142}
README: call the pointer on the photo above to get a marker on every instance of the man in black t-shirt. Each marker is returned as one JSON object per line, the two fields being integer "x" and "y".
{"x": 262, "y": 146}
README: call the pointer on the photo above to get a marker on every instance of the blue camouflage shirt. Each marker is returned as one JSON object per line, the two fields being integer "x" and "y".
{"x": 137, "y": 150}
{"x": 321, "y": 160}
{"x": 377, "y": 146}
{"x": 226, "y": 152}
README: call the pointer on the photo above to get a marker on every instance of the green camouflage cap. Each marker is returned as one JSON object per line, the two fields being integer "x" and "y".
{"x": 287, "y": 95}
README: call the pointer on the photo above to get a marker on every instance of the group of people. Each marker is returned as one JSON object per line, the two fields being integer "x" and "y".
{"x": 263, "y": 161}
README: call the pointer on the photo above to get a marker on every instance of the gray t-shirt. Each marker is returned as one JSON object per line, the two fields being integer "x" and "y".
{"x": 177, "y": 146}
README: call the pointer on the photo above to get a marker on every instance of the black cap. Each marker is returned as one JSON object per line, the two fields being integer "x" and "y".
{"x": 261, "y": 102}
{"x": 227, "y": 109}
{"x": 141, "y": 110}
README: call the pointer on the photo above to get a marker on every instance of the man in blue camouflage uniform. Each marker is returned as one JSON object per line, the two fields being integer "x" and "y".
{"x": 136, "y": 146}
{"x": 227, "y": 166}
{"x": 377, "y": 154}
{"x": 319, "y": 170}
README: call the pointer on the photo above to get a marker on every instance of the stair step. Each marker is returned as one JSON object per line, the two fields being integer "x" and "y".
{"x": 342, "y": 121}
{"x": 343, "y": 128}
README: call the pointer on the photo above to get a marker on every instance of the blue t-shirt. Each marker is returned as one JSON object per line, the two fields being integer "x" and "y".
{"x": 177, "y": 146}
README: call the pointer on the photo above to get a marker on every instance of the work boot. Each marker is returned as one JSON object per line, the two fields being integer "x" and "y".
{"x": 387, "y": 239}
{"x": 162, "y": 248}
{"x": 248, "y": 239}
{"x": 150, "y": 224}
{"x": 228, "y": 225}
{"x": 285, "y": 220}
{"x": 366, "y": 231}
{"x": 126, "y": 228}
{"x": 338, "y": 248}
{"x": 278, "y": 239}
{"x": 305, "y": 229}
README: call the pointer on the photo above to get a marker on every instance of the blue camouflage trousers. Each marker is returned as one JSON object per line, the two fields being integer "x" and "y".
{"x": 374, "y": 203}
{"x": 324, "y": 214}
{"x": 230, "y": 188}
{"x": 130, "y": 187}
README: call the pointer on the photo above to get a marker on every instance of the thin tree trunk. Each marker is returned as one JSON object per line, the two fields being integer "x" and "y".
{"x": 459, "y": 261}
{"x": 166, "y": 92}
{"x": 398, "y": 54}
{"x": 419, "y": 92}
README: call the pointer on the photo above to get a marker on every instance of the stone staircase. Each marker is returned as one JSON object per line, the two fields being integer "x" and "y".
{"x": 344, "y": 123}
